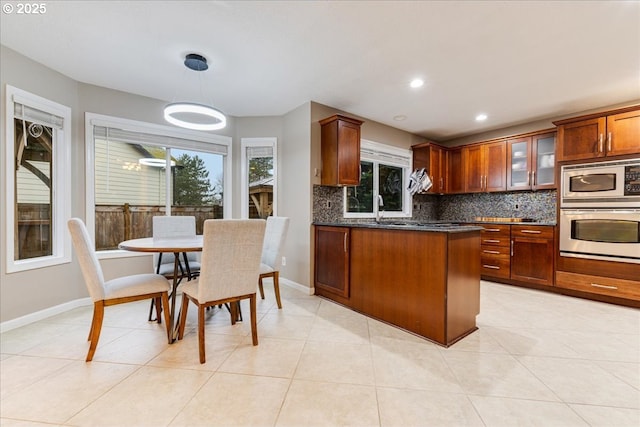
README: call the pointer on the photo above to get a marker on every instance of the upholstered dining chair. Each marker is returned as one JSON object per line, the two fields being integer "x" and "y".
{"x": 189, "y": 265}
{"x": 231, "y": 250}
{"x": 274, "y": 237}
{"x": 115, "y": 291}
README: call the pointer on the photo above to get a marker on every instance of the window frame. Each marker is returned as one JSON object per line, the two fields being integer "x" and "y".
{"x": 200, "y": 139}
{"x": 61, "y": 176}
{"x": 244, "y": 172}
{"x": 377, "y": 154}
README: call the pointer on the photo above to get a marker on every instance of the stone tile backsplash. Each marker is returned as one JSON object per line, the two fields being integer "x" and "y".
{"x": 538, "y": 205}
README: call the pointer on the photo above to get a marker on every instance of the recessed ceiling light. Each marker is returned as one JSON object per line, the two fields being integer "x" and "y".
{"x": 481, "y": 117}
{"x": 400, "y": 117}
{"x": 416, "y": 83}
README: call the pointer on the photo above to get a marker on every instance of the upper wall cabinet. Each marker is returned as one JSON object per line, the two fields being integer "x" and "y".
{"x": 612, "y": 133}
{"x": 485, "y": 166}
{"x": 433, "y": 158}
{"x": 531, "y": 162}
{"x": 340, "y": 141}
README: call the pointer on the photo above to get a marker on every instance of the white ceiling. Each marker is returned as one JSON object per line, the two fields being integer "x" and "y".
{"x": 516, "y": 61}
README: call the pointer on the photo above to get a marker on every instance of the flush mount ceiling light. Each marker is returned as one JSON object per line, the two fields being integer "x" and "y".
{"x": 191, "y": 115}
{"x": 416, "y": 83}
{"x": 481, "y": 117}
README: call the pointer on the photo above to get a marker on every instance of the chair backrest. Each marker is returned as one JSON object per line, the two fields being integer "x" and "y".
{"x": 173, "y": 226}
{"x": 274, "y": 237}
{"x": 91, "y": 269}
{"x": 230, "y": 263}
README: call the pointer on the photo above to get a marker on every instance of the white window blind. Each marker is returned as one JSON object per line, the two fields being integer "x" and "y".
{"x": 132, "y": 137}
{"x": 256, "y": 152}
{"x": 34, "y": 115}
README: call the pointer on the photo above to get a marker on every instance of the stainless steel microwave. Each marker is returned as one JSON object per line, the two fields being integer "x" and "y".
{"x": 603, "y": 184}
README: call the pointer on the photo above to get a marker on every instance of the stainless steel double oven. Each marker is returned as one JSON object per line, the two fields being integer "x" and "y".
{"x": 600, "y": 211}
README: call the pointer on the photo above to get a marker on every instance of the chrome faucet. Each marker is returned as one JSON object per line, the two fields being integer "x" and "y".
{"x": 379, "y": 211}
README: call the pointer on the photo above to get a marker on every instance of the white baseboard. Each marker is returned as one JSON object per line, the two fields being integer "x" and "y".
{"x": 43, "y": 314}
{"x": 307, "y": 290}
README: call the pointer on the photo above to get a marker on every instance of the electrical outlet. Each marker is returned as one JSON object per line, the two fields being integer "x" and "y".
{"x": 328, "y": 204}
{"x": 284, "y": 261}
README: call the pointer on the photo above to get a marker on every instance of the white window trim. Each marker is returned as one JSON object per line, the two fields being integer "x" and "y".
{"x": 60, "y": 203}
{"x": 394, "y": 156}
{"x": 92, "y": 119}
{"x": 244, "y": 180}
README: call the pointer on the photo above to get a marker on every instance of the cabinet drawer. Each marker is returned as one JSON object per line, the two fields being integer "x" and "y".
{"x": 537, "y": 231}
{"x": 490, "y": 251}
{"x": 495, "y": 266}
{"x": 629, "y": 289}
{"x": 495, "y": 234}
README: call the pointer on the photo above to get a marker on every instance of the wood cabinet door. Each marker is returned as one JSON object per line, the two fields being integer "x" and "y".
{"x": 581, "y": 140}
{"x": 437, "y": 168}
{"x": 623, "y": 133}
{"x": 455, "y": 171}
{"x": 532, "y": 260}
{"x": 543, "y": 149}
{"x": 519, "y": 163}
{"x": 348, "y": 153}
{"x": 495, "y": 158}
{"x": 474, "y": 169}
{"x": 332, "y": 260}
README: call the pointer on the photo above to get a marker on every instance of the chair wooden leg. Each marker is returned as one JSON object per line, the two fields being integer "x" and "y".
{"x": 183, "y": 315}
{"x": 159, "y": 310}
{"x": 93, "y": 322}
{"x": 260, "y": 287}
{"x": 96, "y": 326}
{"x": 201, "y": 311}
{"x": 276, "y": 287}
{"x": 254, "y": 323}
{"x": 167, "y": 316}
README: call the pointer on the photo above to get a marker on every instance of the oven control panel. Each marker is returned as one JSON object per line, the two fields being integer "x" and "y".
{"x": 632, "y": 180}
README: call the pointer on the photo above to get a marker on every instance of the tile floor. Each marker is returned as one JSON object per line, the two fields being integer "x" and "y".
{"x": 537, "y": 359}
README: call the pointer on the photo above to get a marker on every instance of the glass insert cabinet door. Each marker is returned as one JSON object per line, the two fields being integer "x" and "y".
{"x": 520, "y": 163}
{"x": 545, "y": 148}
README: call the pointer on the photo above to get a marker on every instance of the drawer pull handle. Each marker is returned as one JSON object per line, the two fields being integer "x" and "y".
{"x": 491, "y": 241}
{"x": 491, "y": 252}
{"x": 495, "y": 267}
{"x": 492, "y": 229}
{"x": 532, "y": 231}
{"x": 596, "y": 285}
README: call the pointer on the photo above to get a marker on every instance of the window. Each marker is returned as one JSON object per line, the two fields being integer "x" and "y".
{"x": 38, "y": 139}
{"x": 136, "y": 171}
{"x": 259, "y": 177}
{"x": 384, "y": 172}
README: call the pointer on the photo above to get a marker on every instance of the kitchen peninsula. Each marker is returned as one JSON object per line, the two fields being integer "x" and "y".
{"x": 421, "y": 277}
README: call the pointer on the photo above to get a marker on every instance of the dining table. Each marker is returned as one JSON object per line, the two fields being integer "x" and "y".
{"x": 175, "y": 245}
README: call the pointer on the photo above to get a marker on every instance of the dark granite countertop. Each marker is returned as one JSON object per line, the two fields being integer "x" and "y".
{"x": 442, "y": 226}
{"x": 435, "y": 226}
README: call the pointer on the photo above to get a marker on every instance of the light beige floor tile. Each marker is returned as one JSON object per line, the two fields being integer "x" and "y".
{"x": 336, "y": 362}
{"x": 405, "y": 407}
{"x": 77, "y": 316}
{"x": 137, "y": 347}
{"x": 149, "y": 397}
{"x": 20, "y": 339}
{"x": 59, "y": 396}
{"x": 605, "y": 416}
{"x": 185, "y": 353}
{"x": 331, "y": 310}
{"x": 625, "y": 371}
{"x": 280, "y": 325}
{"x": 235, "y": 400}
{"x": 520, "y": 341}
{"x": 480, "y": 341}
{"x": 298, "y": 307}
{"x": 414, "y": 367}
{"x": 6, "y": 422}
{"x": 19, "y": 372}
{"x": 380, "y": 329}
{"x": 503, "y": 412}
{"x": 73, "y": 344}
{"x": 582, "y": 381}
{"x": 496, "y": 375}
{"x": 347, "y": 329}
{"x": 310, "y": 403}
{"x": 600, "y": 346}
{"x": 271, "y": 357}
